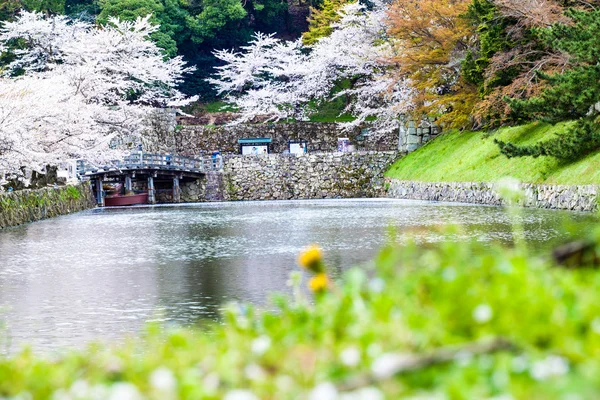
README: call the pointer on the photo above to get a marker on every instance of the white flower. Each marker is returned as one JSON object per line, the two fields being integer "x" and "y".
{"x": 519, "y": 364}
{"x": 324, "y": 391}
{"x": 449, "y": 274}
{"x": 510, "y": 190}
{"x": 60, "y": 394}
{"x": 549, "y": 367}
{"x": 211, "y": 382}
{"x": 240, "y": 395}
{"x": 255, "y": 372}
{"x": 377, "y": 285}
{"x": 23, "y": 396}
{"x": 366, "y": 393}
{"x": 284, "y": 383}
{"x": 483, "y": 313}
{"x": 162, "y": 379}
{"x": 124, "y": 391}
{"x": 114, "y": 364}
{"x": 80, "y": 389}
{"x": 595, "y": 325}
{"x": 260, "y": 345}
{"x": 374, "y": 350}
{"x": 350, "y": 356}
{"x": 463, "y": 358}
{"x": 504, "y": 396}
{"x": 388, "y": 364}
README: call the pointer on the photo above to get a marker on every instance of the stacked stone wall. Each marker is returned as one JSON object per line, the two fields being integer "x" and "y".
{"x": 559, "y": 197}
{"x": 192, "y": 140}
{"x": 309, "y": 176}
{"x": 413, "y": 136}
{"x": 23, "y": 206}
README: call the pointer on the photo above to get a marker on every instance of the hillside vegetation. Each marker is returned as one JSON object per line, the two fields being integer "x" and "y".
{"x": 474, "y": 157}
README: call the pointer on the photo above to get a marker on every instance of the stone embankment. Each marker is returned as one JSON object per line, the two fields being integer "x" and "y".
{"x": 321, "y": 137}
{"x": 310, "y": 176}
{"x": 558, "y": 197}
{"x": 24, "y": 206}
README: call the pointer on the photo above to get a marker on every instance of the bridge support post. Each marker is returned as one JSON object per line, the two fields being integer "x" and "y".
{"x": 151, "y": 191}
{"x": 128, "y": 184}
{"x": 99, "y": 192}
{"x": 176, "y": 190}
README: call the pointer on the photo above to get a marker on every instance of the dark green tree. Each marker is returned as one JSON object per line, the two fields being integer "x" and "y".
{"x": 163, "y": 15}
{"x": 572, "y": 94}
{"x": 10, "y": 8}
{"x": 493, "y": 38}
{"x": 214, "y": 15}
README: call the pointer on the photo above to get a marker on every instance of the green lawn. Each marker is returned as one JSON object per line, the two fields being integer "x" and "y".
{"x": 474, "y": 157}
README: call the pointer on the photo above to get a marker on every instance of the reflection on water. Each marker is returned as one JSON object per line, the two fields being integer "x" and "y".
{"x": 103, "y": 273}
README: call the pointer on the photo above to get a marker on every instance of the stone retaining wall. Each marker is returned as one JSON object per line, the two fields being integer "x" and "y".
{"x": 321, "y": 137}
{"x": 559, "y": 197}
{"x": 310, "y": 176}
{"x": 24, "y": 206}
{"x": 413, "y": 136}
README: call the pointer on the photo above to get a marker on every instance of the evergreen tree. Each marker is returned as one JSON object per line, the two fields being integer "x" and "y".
{"x": 572, "y": 94}
{"x": 322, "y": 18}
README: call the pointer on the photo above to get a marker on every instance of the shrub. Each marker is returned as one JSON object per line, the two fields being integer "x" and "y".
{"x": 462, "y": 320}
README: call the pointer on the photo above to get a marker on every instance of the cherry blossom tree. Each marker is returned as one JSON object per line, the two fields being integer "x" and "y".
{"x": 73, "y": 88}
{"x": 289, "y": 80}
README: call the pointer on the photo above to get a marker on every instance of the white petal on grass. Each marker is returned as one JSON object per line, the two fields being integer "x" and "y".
{"x": 260, "y": 345}
{"x": 463, "y": 358}
{"x": 124, "y": 391}
{"x": 449, "y": 274}
{"x": 519, "y": 364}
{"x": 366, "y": 393}
{"x": 388, "y": 364}
{"x": 504, "y": 396}
{"x": 80, "y": 389}
{"x": 551, "y": 366}
{"x": 510, "y": 190}
{"x": 240, "y": 395}
{"x": 595, "y": 325}
{"x": 376, "y": 285}
{"x": 163, "y": 379}
{"x": 324, "y": 391}
{"x": 255, "y": 373}
{"x": 211, "y": 382}
{"x": 350, "y": 356}
{"x": 483, "y": 313}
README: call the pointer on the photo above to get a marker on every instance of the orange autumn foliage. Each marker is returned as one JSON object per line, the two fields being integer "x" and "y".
{"x": 431, "y": 38}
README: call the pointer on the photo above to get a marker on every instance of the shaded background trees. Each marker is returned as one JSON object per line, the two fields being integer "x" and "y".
{"x": 192, "y": 29}
{"x": 468, "y": 63}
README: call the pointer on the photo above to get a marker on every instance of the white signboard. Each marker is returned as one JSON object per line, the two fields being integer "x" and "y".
{"x": 254, "y": 149}
{"x": 343, "y": 145}
{"x": 297, "y": 148}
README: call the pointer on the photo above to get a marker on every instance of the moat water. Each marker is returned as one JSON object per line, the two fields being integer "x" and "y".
{"x": 103, "y": 274}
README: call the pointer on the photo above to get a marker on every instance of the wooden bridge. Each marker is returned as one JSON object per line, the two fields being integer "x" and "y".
{"x": 148, "y": 167}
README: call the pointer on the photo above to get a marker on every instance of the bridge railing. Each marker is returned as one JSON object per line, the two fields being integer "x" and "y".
{"x": 152, "y": 161}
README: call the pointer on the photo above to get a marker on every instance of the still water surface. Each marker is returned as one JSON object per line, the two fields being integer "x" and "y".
{"x": 101, "y": 274}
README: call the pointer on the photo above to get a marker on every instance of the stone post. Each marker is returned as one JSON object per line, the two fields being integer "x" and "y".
{"x": 176, "y": 190}
{"x": 412, "y": 138}
{"x": 151, "y": 191}
{"x": 128, "y": 185}
{"x": 99, "y": 192}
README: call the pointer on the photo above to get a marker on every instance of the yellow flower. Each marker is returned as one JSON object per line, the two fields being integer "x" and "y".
{"x": 311, "y": 259}
{"x": 319, "y": 282}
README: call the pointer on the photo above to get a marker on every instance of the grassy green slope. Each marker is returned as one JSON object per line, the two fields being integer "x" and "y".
{"x": 474, "y": 157}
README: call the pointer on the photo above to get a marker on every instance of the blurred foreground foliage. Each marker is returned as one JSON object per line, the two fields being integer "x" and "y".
{"x": 444, "y": 321}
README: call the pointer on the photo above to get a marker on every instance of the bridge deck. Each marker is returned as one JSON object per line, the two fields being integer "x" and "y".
{"x": 146, "y": 162}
